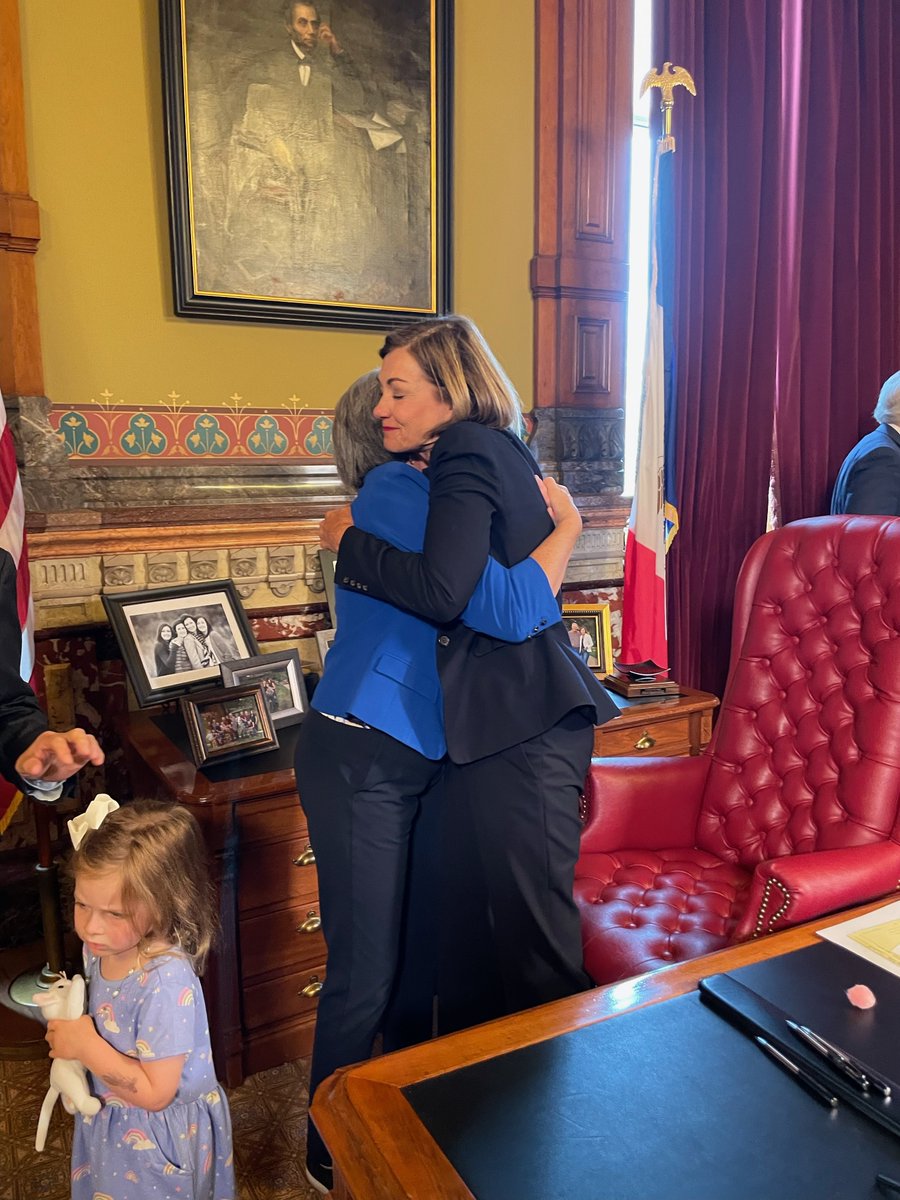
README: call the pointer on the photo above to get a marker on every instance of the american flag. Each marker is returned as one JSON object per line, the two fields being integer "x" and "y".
{"x": 12, "y": 539}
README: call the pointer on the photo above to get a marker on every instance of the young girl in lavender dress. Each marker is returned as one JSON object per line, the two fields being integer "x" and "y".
{"x": 143, "y": 908}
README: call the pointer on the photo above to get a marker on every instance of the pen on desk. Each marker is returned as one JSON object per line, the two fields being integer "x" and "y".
{"x": 838, "y": 1061}
{"x": 819, "y": 1090}
{"x": 875, "y": 1082}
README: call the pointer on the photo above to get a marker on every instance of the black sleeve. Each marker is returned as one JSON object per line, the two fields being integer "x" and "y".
{"x": 21, "y": 719}
{"x": 437, "y": 583}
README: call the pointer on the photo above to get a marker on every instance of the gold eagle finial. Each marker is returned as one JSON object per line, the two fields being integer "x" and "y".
{"x": 667, "y": 79}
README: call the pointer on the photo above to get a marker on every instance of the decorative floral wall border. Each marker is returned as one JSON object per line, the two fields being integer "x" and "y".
{"x": 107, "y": 431}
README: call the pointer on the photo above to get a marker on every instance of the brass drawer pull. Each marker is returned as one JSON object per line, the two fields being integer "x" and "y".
{"x": 312, "y": 989}
{"x": 645, "y": 742}
{"x": 312, "y": 924}
{"x": 306, "y": 859}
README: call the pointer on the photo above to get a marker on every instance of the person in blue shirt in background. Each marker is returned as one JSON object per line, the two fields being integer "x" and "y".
{"x": 370, "y": 753}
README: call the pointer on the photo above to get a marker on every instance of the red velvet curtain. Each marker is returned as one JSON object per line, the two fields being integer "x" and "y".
{"x": 787, "y": 269}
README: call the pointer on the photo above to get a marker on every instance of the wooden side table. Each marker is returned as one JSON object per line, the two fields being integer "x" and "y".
{"x": 672, "y": 725}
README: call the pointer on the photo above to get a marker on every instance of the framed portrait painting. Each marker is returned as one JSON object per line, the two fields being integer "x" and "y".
{"x": 227, "y": 723}
{"x": 308, "y": 151}
{"x": 279, "y": 675}
{"x": 590, "y": 635}
{"x": 174, "y": 639}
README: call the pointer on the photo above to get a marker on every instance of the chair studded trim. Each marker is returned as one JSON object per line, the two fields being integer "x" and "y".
{"x": 761, "y": 920}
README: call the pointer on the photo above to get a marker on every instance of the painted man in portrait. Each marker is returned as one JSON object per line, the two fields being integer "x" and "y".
{"x": 313, "y": 197}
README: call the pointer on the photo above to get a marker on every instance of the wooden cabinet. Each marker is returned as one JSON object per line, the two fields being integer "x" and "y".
{"x": 673, "y": 725}
{"x": 263, "y": 980}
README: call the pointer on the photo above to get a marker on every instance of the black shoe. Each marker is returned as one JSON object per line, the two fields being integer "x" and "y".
{"x": 320, "y": 1176}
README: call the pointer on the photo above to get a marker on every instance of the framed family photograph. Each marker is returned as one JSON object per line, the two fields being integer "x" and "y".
{"x": 173, "y": 640}
{"x": 227, "y": 723}
{"x": 279, "y": 676}
{"x": 590, "y": 635}
{"x": 308, "y": 151}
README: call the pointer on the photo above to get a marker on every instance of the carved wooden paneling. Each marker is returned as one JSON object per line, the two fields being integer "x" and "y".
{"x": 579, "y": 272}
{"x": 21, "y": 372}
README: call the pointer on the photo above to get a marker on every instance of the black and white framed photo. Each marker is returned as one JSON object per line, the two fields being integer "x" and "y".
{"x": 227, "y": 723}
{"x": 308, "y": 147}
{"x": 279, "y": 675}
{"x": 173, "y": 640}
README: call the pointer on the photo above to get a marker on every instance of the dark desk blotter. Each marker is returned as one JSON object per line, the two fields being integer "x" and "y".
{"x": 810, "y": 985}
{"x": 280, "y": 759}
{"x": 666, "y": 1101}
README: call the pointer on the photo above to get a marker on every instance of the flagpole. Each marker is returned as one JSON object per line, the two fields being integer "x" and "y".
{"x": 667, "y": 79}
{"x": 653, "y": 519}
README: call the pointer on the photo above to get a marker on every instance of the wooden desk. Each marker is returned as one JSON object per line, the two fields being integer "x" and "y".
{"x": 381, "y": 1149}
{"x": 264, "y": 977}
{"x": 675, "y": 725}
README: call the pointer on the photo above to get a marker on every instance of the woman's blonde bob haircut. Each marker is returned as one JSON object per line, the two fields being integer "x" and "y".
{"x": 455, "y": 357}
{"x": 159, "y": 853}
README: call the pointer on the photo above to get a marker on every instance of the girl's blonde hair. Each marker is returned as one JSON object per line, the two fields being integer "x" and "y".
{"x": 161, "y": 857}
{"x": 453, "y": 354}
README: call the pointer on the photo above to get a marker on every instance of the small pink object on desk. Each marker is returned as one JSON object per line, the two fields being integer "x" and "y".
{"x": 861, "y": 996}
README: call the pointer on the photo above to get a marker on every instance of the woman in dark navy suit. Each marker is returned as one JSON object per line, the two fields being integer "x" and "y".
{"x": 518, "y": 718}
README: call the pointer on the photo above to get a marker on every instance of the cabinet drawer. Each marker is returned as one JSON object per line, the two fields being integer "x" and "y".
{"x": 276, "y": 874}
{"x": 293, "y": 995}
{"x": 268, "y": 822}
{"x": 671, "y": 737}
{"x": 288, "y": 937}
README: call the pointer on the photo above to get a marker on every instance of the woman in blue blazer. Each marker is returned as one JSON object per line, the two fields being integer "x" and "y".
{"x": 370, "y": 756}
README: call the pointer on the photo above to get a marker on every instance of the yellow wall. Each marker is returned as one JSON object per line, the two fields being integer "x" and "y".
{"x": 97, "y": 169}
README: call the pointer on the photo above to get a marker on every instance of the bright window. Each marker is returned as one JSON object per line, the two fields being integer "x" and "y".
{"x": 639, "y": 240}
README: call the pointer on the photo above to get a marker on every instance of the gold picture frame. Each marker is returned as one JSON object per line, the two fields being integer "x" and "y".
{"x": 590, "y": 635}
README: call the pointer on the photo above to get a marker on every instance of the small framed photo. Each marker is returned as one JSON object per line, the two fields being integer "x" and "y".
{"x": 324, "y": 638}
{"x": 279, "y": 676}
{"x": 227, "y": 723}
{"x": 174, "y": 639}
{"x": 590, "y": 635}
{"x": 328, "y": 562}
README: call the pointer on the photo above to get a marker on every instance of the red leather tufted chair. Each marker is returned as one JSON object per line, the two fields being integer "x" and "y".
{"x": 793, "y": 810}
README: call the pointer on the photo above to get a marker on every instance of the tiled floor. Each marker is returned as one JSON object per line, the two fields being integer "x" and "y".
{"x": 268, "y": 1111}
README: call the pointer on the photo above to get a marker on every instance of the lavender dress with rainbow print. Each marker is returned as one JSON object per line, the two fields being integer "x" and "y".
{"x": 183, "y": 1152}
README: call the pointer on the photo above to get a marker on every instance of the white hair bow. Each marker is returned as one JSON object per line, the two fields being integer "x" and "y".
{"x": 92, "y": 818}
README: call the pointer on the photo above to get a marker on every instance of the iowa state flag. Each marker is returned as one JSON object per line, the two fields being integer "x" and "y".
{"x": 12, "y": 539}
{"x": 654, "y": 516}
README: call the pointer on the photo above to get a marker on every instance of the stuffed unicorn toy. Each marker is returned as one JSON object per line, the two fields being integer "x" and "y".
{"x": 64, "y": 1000}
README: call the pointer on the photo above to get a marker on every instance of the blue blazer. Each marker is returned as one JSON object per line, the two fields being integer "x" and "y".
{"x": 869, "y": 480}
{"x": 382, "y": 665}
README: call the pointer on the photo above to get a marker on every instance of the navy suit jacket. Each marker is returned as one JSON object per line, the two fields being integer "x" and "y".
{"x": 484, "y": 501}
{"x": 382, "y": 667}
{"x": 869, "y": 480}
{"x": 21, "y": 719}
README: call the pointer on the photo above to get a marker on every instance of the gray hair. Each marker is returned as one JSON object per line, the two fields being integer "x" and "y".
{"x": 356, "y": 434}
{"x": 887, "y": 410}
